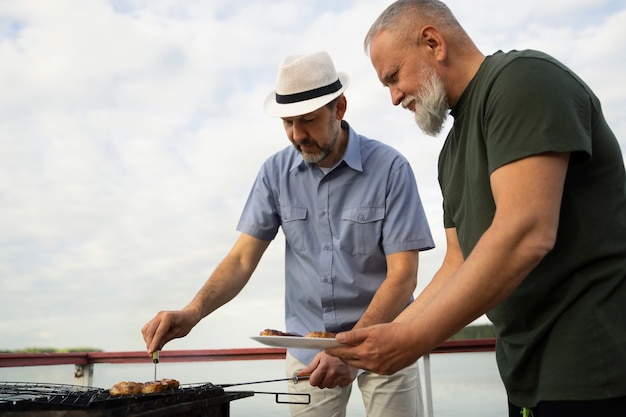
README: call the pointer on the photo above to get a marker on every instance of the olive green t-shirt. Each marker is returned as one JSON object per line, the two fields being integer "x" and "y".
{"x": 561, "y": 335}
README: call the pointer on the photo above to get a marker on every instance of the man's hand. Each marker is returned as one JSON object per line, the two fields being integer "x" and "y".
{"x": 329, "y": 372}
{"x": 381, "y": 348}
{"x": 165, "y": 326}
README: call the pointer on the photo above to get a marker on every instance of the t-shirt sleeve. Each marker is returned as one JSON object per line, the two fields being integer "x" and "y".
{"x": 536, "y": 106}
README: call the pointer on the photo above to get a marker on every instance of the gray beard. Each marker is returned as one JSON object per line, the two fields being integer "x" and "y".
{"x": 315, "y": 158}
{"x": 324, "y": 152}
{"x": 431, "y": 105}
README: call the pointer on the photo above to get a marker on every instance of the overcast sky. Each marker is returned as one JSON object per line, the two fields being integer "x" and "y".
{"x": 131, "y": 132}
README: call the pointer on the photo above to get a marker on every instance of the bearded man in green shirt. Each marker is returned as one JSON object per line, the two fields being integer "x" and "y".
{"x": 534, "y": 198}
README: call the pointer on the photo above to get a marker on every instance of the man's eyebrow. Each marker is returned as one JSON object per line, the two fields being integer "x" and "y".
{"x": 388, "y": 76}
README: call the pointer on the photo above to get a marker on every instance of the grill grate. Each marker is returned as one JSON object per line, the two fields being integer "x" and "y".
{"x": 41, "y": 396}
{"x": 70, "y": 395}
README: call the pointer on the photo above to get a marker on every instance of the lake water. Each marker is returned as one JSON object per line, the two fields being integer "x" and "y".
{"x": 463, "y": 384}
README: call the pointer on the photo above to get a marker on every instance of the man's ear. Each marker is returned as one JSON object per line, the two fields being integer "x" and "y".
{"x": 432, "y": 40}
{"x": 342, "y": 106}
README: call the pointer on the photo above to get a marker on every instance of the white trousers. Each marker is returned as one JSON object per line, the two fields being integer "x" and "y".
{"x": 397, "y": 395}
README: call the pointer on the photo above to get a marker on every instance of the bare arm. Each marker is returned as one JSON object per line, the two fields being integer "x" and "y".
{"x": 395, "y": 291}
{"x": 228, "y": 279}
{"x": 452, "y": 261}
{"x": 528, "y": 197}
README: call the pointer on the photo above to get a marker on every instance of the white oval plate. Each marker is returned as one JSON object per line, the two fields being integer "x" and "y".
{"x": 297, "y": 342}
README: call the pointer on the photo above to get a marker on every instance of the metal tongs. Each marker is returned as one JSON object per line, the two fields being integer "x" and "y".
{"x": 294, "y": 379}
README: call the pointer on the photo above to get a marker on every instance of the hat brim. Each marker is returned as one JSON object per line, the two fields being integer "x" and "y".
{"x": 299, "y": 108}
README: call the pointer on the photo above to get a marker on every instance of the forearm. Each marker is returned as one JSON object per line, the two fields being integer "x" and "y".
{"x": 223, "y": 285}
{"x": 496, "y": 266}
{"x": 439, "y": 280}
{"x": 395, "y": 291}
{"x": 229, "y": 278}
{"x": 386, "y": 305}
{"x": 452, "y": 261}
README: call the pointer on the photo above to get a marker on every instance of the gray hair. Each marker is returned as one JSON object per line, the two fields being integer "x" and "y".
{"x": 401, "y": 15}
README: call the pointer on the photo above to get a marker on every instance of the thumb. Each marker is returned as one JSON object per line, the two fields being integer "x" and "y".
{"x": 352, "y": 337}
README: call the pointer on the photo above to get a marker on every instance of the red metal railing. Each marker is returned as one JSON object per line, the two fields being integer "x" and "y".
{"x": 203, "y": 355}
{"x": 467, "y": 345}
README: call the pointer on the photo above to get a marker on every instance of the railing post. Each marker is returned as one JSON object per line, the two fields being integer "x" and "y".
{"x": 83, "y": 375}
{"x": 427, "y": 381}
{"x": 420, "y": 396}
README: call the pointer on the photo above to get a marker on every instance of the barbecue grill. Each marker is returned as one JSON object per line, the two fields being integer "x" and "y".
{"x": 21, "y": 399}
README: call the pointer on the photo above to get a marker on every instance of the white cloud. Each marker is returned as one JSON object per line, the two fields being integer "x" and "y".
{"x": 131, "y": 132}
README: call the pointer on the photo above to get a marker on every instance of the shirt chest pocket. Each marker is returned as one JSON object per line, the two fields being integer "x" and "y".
{"x": 361, "y": 229}
{"x": 293, "y": 222}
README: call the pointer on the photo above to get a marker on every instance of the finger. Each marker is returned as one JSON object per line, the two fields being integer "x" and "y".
{"x": 317, "y": 378}
{"x": 158, "y": 332}
{"x": 148, "y": 334}
{"x": 159, "y": 338}
{"x": 345, "y": 353}
{"x": 349, "y": 355}
{"x": 352, "y": 337}
{"x": 309, "y": 369}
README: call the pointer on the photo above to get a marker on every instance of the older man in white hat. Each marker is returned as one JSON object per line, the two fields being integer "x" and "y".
{"x": 353, "y": 224}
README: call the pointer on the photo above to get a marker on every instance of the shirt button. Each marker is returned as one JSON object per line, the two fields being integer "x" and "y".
{"x": 326, "y": 247}
{"x": 323, "y": 213}
{"x": 362, "y": 217}
{"x": 327, "y": 310}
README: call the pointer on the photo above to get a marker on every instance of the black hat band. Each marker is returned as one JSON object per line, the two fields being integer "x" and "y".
{"x": 307, "y": 95}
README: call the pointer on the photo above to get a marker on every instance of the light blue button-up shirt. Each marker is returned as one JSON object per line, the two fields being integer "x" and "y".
{"x": 338, "y": 227}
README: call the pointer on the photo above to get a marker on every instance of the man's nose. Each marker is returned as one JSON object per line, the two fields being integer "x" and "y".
{"x": 396, "y": 95}
{"x": 297, "y": 132}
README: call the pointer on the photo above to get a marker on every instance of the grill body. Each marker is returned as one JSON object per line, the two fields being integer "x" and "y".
{"x": 56, "y": 400}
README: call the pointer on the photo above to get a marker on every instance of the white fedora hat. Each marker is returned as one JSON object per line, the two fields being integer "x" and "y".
{"x": 304, "y": 84}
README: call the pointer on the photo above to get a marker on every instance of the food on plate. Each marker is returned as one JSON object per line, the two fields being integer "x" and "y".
{"x": 126, "y": 388}
{"x": 134, "y": 388}
{"x": 323, "y": 335}
{"x": 272, "y": 332}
